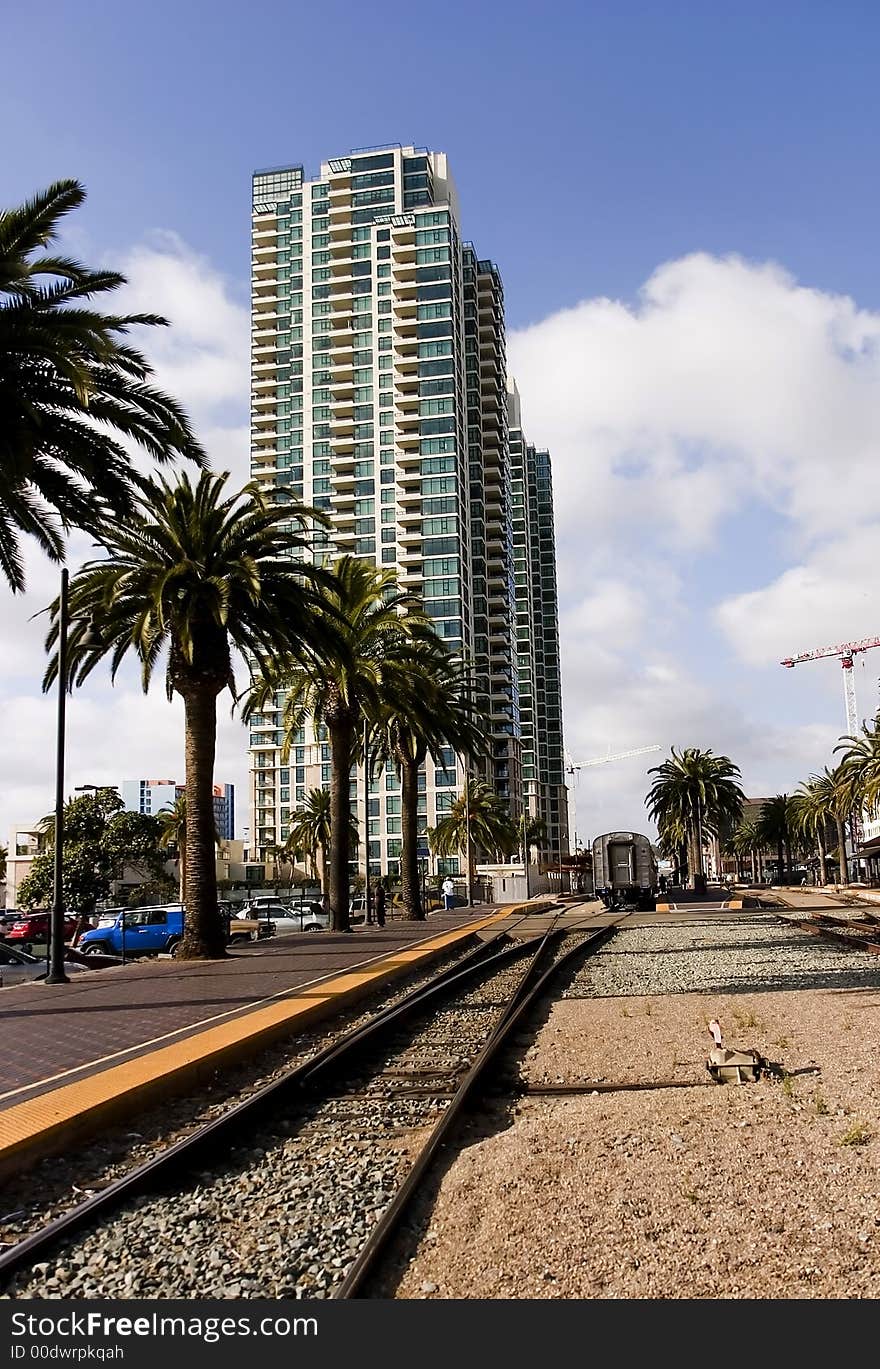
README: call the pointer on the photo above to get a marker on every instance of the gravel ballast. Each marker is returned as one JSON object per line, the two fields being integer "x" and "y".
{"x": 56, "y": 1184}
{"x": 766, "y": 1190}
{"x": 283, "y": 1212}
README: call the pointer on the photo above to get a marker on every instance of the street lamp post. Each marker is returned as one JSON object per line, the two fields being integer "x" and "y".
{"x": 467, "y": 830}
{"x": 525, "y": 851}
{"x": 55, "y": 950}
{"x": 368, "y": 902}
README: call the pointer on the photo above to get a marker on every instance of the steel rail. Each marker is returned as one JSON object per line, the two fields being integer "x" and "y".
{"x": 530, "y": 987}
{"x": 182, "y": 1153}
{"x": 859, "y": 942}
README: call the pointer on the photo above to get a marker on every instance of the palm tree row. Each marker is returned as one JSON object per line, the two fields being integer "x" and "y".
{"x": 696, "y": 794}
{"x": 815, "y": 815}
{"x": 383, "y": 679}
{"x": 199, "y": 575}
{"x": 823, "y": 804}
{"x": 830, "y": 799}
{"x": 191, "y": 575}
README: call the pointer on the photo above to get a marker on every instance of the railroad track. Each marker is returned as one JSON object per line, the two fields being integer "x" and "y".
{"x": 295, "y": 1191}
{"x": 864, "y": 935}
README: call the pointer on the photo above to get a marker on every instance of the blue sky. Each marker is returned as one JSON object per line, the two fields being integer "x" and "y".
{"x": 632, "y": 153}
{"x": 589, "y": 141}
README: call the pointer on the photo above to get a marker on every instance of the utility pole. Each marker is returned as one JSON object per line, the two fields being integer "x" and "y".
{"x": 467, "y": 829}
{"x": 467, "y": 789}
{"x": 525, "y": 850}
{"x": 55, "y": 950}
{"x": 368, "y": 909}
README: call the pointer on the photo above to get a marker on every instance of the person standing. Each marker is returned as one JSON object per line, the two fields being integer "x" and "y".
{"x": 379, "y": 904}
{"x": 448, "y": 893}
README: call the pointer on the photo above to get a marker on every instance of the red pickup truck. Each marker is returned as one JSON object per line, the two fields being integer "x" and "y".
{"x": 33, "y": 929}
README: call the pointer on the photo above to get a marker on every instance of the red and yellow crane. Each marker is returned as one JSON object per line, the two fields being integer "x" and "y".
{"x": 846, "y": 651}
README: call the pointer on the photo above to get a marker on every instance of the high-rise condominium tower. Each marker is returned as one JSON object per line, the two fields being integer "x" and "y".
{"x": 379, "y": 395}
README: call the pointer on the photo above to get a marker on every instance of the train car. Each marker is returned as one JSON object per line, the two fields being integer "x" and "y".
{"x": 625, "y": 870}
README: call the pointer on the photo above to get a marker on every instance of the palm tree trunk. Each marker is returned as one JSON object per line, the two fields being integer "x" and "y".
{"x": 341, "y": 739}
{"x": 181, "y": 860}
{"x": 823, "y": 855}
{"x": 699, "y": 880}
{"x": 203, "y": 937}
{"x": 780, "y": 856}
{"x": 319, "y": 869}
{"x": 752, "y": 855}
{"x": 409, "y": 849}
{"x": 841, "y": 851}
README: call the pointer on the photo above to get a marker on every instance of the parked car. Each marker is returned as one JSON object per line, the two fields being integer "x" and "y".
{"x": 289, "y": 917}
{"x": 31, "y": 929}
{"x": 17, "y": 967}
{"x": 136, "y": 931}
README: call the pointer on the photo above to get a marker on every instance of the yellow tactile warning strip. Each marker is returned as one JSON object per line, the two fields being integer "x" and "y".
{"x": 44, "y": 1124}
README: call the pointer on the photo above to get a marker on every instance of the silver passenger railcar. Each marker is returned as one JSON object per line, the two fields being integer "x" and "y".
{"x": 625, "y": 870}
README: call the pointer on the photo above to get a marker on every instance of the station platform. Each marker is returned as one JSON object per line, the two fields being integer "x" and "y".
{"x": 79, "y": 1056}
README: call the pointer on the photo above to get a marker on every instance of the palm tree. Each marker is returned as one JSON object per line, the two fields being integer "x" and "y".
{"x": 311, "y": 830}
{"x": 532, "y": 832}
{"x": 673, "y": 843}
{"x": 812, "y": 811}
{"x": 746, "y": 841}
{"x": 426, "y": 710}
{"x": 777, "y": 824}
{"x": 371, "y": 623}
{"x": 4, "y": 856}
{"x": 172, "y": 820}
{"x": 73, "y": 391}
{"x": 860, "y": 769}
{"x": 698, "y": 792}
{"x": 45, "y": 830}
{"x": 732, "y": 844}
{"x": 197, "y": 574}
{"x": 479, "y": 814}
{"x": 837, "y": 791}
{"x": 861, "y": 765}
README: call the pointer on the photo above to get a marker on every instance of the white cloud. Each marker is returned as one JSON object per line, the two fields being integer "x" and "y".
{"x": 726, "y": 380}
{"x": 726, "y": 391}
{"x": 203, "y": 357}
{"x": 833, "y": 597}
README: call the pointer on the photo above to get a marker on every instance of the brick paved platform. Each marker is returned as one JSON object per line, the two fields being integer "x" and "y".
{"x": 54, "y": 1032}
{"x": 78, "y": 1056}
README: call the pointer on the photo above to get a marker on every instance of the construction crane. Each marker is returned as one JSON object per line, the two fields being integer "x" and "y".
{"x": 846, "y": 651}
{"x": 572, "y": 769}
{"x": 617, "y": 756}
